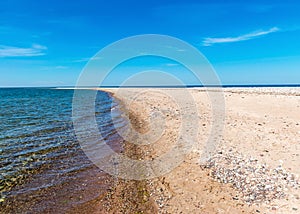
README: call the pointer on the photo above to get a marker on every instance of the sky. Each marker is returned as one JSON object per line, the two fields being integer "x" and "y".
{"x": 48, "y": 43}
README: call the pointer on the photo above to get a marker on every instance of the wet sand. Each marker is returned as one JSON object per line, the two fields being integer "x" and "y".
{"x": 261, "y": 125}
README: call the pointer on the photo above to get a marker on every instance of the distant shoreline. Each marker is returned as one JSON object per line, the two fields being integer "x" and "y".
{"x": 188, "y": 86}
{"x": 194, "y": 86}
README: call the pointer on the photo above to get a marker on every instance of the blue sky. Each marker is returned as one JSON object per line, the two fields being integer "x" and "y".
{"x": 47, "y": 43}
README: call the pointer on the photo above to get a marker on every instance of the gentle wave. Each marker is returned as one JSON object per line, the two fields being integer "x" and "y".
{"x": 39, "y": 153}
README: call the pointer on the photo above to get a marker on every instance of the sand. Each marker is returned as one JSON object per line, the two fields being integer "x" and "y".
{"x": 261, "y": 124}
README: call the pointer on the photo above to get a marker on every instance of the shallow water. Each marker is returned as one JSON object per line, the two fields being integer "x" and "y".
{"x": 43, "y": 168}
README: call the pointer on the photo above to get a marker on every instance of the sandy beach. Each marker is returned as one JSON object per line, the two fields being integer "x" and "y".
{"x": 259, "y": 143}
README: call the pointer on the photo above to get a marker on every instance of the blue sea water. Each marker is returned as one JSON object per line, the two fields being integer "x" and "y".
{"x": 42, "y": 167}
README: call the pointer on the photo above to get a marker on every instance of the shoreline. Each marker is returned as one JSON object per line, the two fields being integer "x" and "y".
{"x": 125, "y": 196}
{"x": 131, "y": 196}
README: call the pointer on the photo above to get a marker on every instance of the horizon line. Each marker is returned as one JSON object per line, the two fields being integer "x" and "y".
{"x": 160, "y": 86}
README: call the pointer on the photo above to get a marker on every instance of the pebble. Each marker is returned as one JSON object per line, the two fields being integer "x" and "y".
{"x": 256, "y": 182}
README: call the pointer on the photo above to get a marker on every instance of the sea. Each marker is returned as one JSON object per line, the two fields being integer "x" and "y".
{"x": 42, "y": 166}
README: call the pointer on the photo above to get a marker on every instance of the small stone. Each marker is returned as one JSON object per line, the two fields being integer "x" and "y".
{"x": 294, "y": 208}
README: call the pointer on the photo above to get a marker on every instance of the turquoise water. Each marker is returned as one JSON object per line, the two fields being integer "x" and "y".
{"x": 42, "y": 166}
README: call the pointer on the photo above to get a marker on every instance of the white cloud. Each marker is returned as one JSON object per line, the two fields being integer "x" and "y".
{"x": 34, "y": 50}
{"x": 253, "y": 35}
{"x": 171, "y": 64}
{"x": 61, "y": 67}
{"x": 50, "y": 68}
{"x": 88, "y": 59}
{"x": 175, "y": 48}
